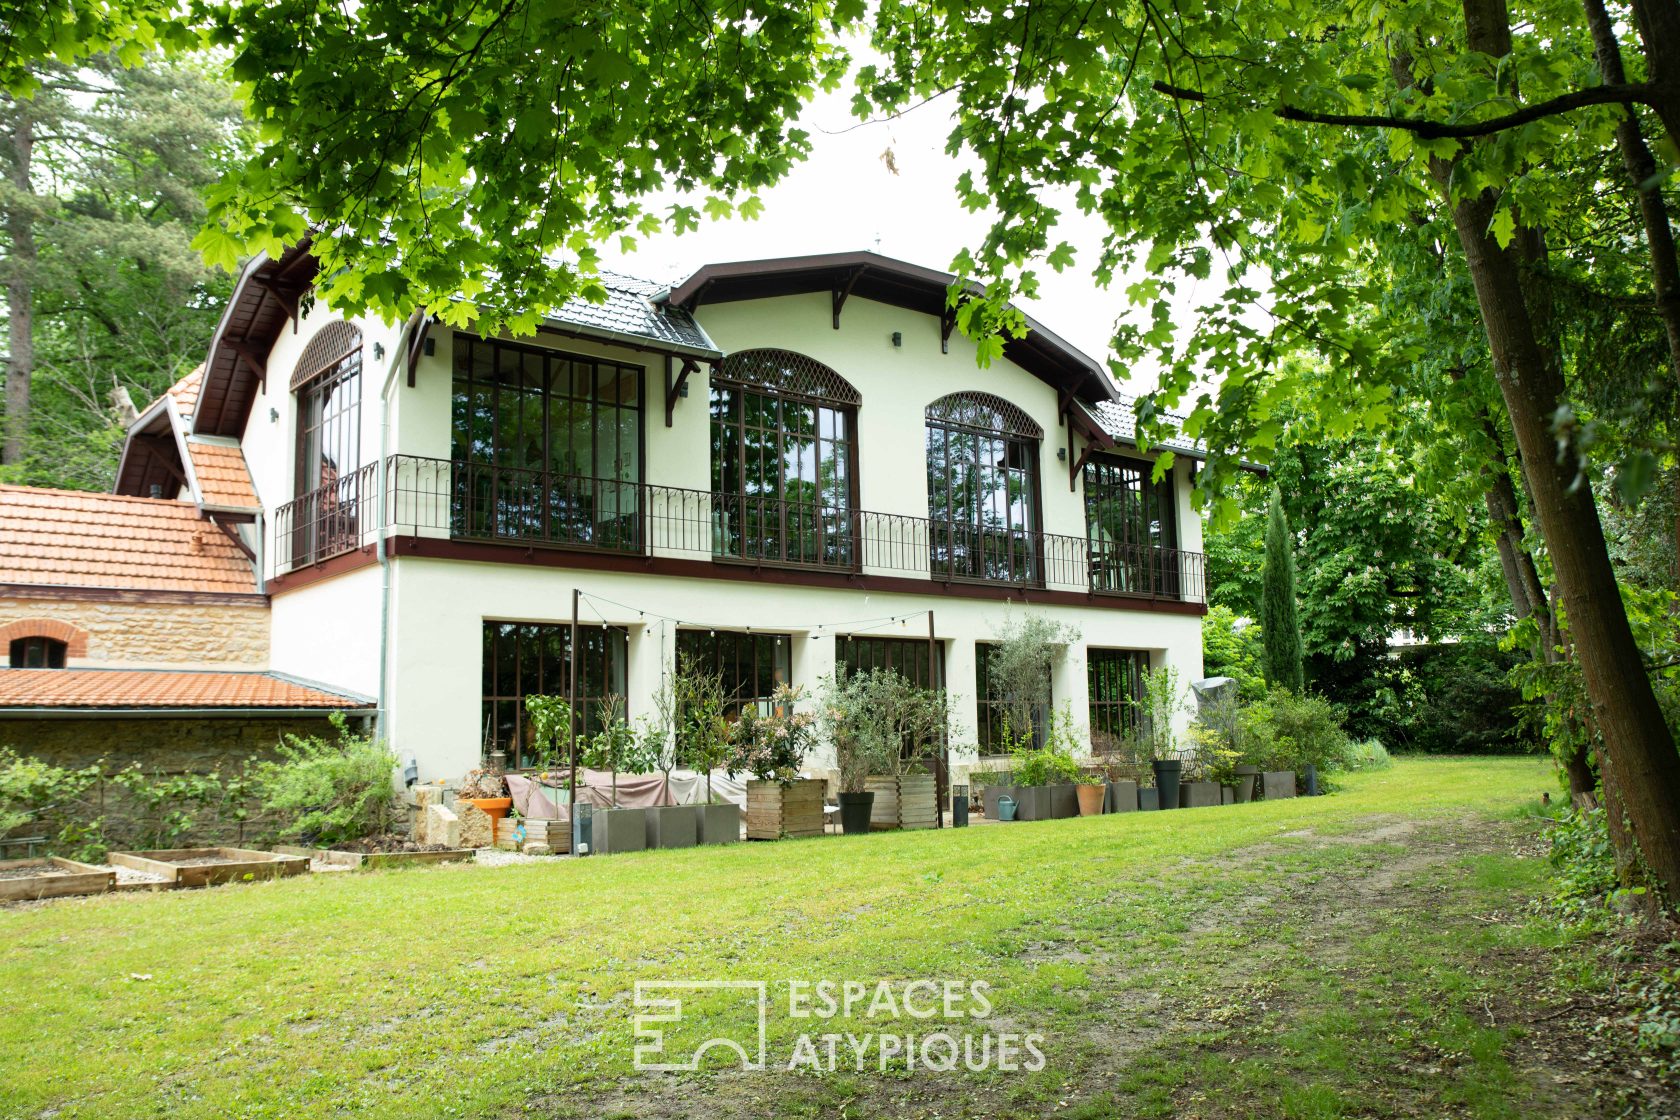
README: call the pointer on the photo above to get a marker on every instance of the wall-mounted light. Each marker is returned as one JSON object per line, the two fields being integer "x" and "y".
{"x": 1061, "y": 454}
{"x": 379, "y": 351}
{"x": 897, "y": 339}
{"x": 274, "y": 416}
{"x": 682, "y": 390}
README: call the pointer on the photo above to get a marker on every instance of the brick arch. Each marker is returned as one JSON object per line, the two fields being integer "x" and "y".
{"x": 75, "y": 639}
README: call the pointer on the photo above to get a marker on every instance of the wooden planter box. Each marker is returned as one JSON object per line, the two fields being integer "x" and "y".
{"x": 375, "y": 861}
{"x": 203, "y": 867}
{"x": 28, "y": 879}
{"x": 775, "y": 811}
{"x": 911, "y": 801}
{"x": 883, "y": 812}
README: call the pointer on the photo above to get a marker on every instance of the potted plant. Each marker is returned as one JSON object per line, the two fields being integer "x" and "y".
{"x": 1118, "y": 759}
{"x": 771, "y": 748}
{"x": 704, "y": 741}
{"x": 485, "y": 790}
{"x": 1160, "y": 703}
{"x": 1091, "y": 793}
{"x": 861, "y": 752}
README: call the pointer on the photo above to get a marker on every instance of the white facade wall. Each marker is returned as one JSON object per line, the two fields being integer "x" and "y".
{"x": 329, "y": 630}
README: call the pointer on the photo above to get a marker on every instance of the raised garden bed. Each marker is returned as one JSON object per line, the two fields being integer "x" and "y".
{"x": 29, "y": 879}
{"x": 379, "y": 852}
{"x": 203, "y": 867}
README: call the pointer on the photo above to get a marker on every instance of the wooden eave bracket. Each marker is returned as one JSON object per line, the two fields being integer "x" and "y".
{"x": 417, "y": 344}
{"x": 947, "y": 324}
{"x": 842, "y": 291}
{"x": 674, "y": 387}
{"x": 241, "y": 348}
{"x": 232, "y": 534}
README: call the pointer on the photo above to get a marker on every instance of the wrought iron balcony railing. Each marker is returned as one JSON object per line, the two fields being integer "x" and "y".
{"x": 471, "y": 501}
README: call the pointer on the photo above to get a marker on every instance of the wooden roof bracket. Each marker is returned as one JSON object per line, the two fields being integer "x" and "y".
{"x": 840, "y": 293}
{"x": 232, "y": 534}
{"x": 417, "y": 342}
{"x": 1076, "y": 463}
{"x": 242, "y": 352}
{"x": 674, "y": 387}
{"x": 947, "y": 324}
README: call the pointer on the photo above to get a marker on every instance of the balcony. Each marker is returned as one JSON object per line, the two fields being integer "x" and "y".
{"x": 443, "y": 500}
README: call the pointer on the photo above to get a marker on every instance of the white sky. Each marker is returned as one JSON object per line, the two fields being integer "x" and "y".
{"x": 844, "y": 198}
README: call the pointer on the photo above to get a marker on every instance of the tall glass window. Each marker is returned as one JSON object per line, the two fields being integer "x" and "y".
{"x": 534, "y": 659}
{"x": 749, "y": 666}
{"x": 784, "y": 453}
{"x": 547, "y": 446}
{"x": 1130, "y": 520}
{"x": 1115, "y": 679}
{"x": 327, "y": 478}
{"x": 982, "y": 472}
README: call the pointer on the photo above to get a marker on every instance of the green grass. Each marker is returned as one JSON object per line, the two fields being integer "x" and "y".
{"x": 1169, "y": 961}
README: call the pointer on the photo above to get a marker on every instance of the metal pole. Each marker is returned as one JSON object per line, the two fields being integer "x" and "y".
{"x": 572, "y": 721}
{"x": 944, "y": 782}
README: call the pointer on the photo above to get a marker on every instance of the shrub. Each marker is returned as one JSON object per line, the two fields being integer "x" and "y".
{"x": 1367, "y": 754}
{"x": 1286, "y": 731}
{"x": 48, "y": 800}
{"x": 1052, "y": 763}
{"x": 862, "y": 720}
{"x": 331, "y": 791}
{"x": 773, "y": 747}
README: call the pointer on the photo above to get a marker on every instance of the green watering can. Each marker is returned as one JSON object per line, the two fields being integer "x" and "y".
{"x": 1006, "y": 808}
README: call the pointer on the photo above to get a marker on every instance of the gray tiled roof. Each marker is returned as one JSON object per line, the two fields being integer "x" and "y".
{"x": 1119, "y": 421}
{"x": 631, "y": 312}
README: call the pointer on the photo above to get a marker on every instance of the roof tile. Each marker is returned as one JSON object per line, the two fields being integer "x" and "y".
{"x": 78, "y": 539}
{"x": 224, "y": 481}
{"x": 630, "y": 310}
{"x": 161, "y": 688}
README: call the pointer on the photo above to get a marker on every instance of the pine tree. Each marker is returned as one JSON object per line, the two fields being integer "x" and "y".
{"x": 1280, "y": 630}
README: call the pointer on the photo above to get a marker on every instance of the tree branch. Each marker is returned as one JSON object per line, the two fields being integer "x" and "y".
{"x": 1619, "y": 94}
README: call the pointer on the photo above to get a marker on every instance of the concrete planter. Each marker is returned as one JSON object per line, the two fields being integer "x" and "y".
{"x": 1033, "y": 803}
{"x": 674, "y": 826}
{"x": 990, "y": 795}
{"x": 1122, "y": 797}
{"x": 1198, "y": 795}
{"x": 1248, "y": 777}
{"x": 1064, "y": 800}
{"x": 1168, "y": 773}
{"x": 1277, "y": 783}
{"x": 1148, "y": 798}
{"x": 1227, "y": 795}
{"x": 620, "y": 830}
{"x": 720, "y": 824}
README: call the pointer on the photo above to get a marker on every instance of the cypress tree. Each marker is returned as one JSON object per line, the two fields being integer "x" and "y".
{"x": 1280, "y": 630}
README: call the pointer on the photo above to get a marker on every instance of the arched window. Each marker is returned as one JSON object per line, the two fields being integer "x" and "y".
{"x": 38, "y": 653}
{"x": 982, "y": 464}
{"x": 327, "y": 482}
{"x": 784, "y": 460}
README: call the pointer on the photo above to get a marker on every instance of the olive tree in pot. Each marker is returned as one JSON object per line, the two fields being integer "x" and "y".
{"x": 853, "y": 727}
{"x": 694, "y": 705}
{"x": 1162, "y": 700}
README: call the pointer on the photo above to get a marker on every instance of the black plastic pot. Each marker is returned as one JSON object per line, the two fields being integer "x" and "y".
{"x": 1167, "y": 772}
{"x": 854, "y": 812}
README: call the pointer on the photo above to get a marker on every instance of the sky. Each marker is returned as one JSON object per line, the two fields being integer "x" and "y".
{"x": 844, "y": 197}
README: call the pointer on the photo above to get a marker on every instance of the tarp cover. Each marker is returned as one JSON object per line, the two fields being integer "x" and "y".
{"x": 547, "y": 799}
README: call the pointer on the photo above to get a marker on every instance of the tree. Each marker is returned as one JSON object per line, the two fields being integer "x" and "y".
{"x": 1280, "y": 628}
{"x": 1299, "y": 151}
{"x": 107, "y": 303}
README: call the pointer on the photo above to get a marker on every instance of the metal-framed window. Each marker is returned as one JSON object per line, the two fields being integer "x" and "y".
{"x": 993, "y": 705}
{"x": 908, "y": 657}
{"x": 1115, "y": 679}
{"x": 534, "y": 658}
{"x": 1131, "y": 522}
{"x": 983, "y": 505}
{"x": 784, "y": 460}
{"x": 327, "y": 479}
{"x": 749, "y": 665}
{"x": 546, "y": 445}
{"x": 37, "y": 653}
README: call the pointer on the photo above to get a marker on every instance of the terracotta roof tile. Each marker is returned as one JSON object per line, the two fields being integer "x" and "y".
{"x": 78, "y": 539}
{"x": 224, "y": 481}
{"x": 185, "y": 392}
{"x": 160, "y": 688}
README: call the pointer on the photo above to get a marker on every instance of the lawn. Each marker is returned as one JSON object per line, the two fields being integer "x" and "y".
{"x": 1366, "y": 954}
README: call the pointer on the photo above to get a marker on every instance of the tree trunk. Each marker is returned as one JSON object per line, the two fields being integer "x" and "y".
{"x": 20, "y": 285}
{"x": 1638, "y": 758}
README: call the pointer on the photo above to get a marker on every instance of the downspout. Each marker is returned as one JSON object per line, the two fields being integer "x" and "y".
{"x": 398, "y": 356}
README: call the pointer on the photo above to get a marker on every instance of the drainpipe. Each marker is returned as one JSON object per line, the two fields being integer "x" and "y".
{"x": 399, "y": 355}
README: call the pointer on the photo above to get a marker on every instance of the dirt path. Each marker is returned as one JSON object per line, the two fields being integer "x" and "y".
{"x": 1390, "y": 972}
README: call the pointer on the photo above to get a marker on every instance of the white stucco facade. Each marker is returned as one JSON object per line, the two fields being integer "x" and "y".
{"x": 428, "y": 612}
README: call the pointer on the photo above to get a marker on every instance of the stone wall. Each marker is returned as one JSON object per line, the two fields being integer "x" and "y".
{"x": 141, "y": 633}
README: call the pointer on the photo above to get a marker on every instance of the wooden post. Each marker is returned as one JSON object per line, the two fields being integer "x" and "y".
{"x": 572, "y": 720}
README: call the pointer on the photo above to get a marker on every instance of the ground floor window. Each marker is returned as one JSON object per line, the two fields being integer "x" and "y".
{"x": 994, "y": 706}
{"x": 749, "y": 664}
{"x": 37, "y": 653}
{"x": 908, "y": 657}
{"x": 532, "y": 658}
{"x": 1116, "y": 685}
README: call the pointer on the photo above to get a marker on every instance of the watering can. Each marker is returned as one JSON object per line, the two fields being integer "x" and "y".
{"x": 1006, "y": 808}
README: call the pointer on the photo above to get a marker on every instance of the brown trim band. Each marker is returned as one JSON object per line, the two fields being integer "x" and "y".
{"x": 130, "y": 594}
{"x": 364, "y": 557}
{"x": 497, "y": 553}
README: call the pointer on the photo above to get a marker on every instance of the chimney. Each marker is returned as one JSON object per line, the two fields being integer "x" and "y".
{"x": 157, "y": 490}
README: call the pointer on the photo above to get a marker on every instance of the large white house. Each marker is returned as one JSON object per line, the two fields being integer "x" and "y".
{"x": 774, "y": 467}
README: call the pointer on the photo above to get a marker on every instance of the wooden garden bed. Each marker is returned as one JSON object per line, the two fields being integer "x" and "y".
{"x": 203, "y": 867}
{"x": 28, "y": 879}
{"x": 373, "y": 861}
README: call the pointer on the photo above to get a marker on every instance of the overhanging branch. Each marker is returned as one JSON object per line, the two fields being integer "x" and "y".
{"x": 1619, "y": 94}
